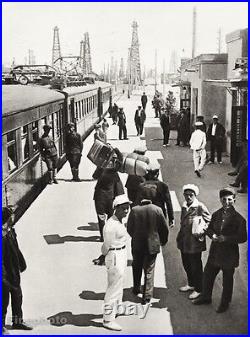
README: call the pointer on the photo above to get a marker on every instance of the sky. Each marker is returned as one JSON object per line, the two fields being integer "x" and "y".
{"x": 162, "y": 26}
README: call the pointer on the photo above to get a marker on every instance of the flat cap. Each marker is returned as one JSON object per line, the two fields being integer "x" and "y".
{"x": 191, "y": 187}
{"x": 120, "y": 200}
{"x": 226, "y": 191}
{"x": 215, "y": 117}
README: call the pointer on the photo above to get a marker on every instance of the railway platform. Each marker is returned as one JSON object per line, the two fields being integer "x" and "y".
{"x": 59, "y": 237}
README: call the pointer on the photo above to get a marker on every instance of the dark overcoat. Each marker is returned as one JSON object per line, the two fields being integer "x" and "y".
{"x": 147, "y": 227}
{"x": 13, "y": 262}
{"x": 233, "y": 228}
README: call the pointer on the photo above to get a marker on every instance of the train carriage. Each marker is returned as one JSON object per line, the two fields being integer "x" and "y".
{"x": 87, "y": 105}
{"x": 25, "y": 110}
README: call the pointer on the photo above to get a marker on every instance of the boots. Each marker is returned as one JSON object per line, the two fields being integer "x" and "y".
{"x": 54, "y": 177}
{"x": 50, "y": 177}
{"x": 75, "y": 175}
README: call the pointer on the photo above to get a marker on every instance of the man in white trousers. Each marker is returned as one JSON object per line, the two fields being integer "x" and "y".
{"x": 198, "y": 144}
{"x": 115, "y": 252}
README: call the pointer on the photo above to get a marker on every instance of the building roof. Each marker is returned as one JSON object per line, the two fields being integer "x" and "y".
{"x": 204, "y": 59}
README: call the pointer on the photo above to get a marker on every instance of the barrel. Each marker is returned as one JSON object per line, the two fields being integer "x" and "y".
{"x": 101, "y": 154}
{"x": 133, "y": 166}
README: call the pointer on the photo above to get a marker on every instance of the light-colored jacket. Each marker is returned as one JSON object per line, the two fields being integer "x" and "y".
{"x": 198, "y": 140}
{"x": 186, "y": 241}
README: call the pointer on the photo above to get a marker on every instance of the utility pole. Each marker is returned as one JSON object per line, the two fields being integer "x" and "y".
{"x": 129, "y": 72}
{"x": 164, "y": 84}
{"x": 219, "y": 41}
{"x": 155, "y": 70}
{"x": 194, "y": 33}
{"x": 144, "y": 77}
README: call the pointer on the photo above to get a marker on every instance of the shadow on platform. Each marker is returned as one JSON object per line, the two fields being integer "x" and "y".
{"x": 67, "y": 318}
{"x": 73, "y": 182}
{"x": 128, "y": 296}
{"x": 56, "y": 239}
{"x": 93, "y": 226}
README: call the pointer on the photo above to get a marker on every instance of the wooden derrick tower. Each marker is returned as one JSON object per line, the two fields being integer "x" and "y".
{"x": 81, "y": 54}
{"x": 135, "y": 65}
{"x": 87, "y": 65}
{"x": 56, "y": 49}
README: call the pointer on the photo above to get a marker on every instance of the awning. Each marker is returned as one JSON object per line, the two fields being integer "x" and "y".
{"x": 235, "y": 82}
{"x": 181, "y": 84}
{"x": 220, "y": 83}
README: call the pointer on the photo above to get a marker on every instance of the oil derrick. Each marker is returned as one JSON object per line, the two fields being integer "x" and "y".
{"x": 56, "y": 49}
{"x": 121, "y": 71}
{"x": 81, "y": 53}
{"x": 135, "y": 65}
{"x": 87, "y": 65}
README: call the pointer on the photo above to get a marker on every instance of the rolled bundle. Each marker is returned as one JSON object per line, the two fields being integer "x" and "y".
{"x": 133, "y": 166}
{"x": 137, "y": 156}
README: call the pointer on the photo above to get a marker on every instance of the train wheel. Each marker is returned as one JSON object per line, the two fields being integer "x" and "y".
{"x": 23, "y": 80}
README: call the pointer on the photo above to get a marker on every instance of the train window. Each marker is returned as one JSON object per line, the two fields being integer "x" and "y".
{"x": 82, "y": 107}
{"x": 12, "y": 151}
{"x": 25, "y": 143}
{"x": 35, "y": 136}
{"x": 79, "y": 109}
{"x": 87, "y": 105}
{"x": 76, "y": 111}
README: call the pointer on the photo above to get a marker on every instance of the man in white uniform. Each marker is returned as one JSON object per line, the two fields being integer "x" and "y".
{"x": 198, "y": 144}
{"x": 115, "y": 252}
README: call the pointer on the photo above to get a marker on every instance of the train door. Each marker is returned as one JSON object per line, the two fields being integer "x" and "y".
{"x": 238, "y": 124}
{"x": 194, "y": 112}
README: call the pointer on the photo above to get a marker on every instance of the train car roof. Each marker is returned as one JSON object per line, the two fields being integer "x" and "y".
{"x": 17, "y": 98}
{"x": 86, "y": 88}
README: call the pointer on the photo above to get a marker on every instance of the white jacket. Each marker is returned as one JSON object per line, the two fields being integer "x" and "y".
{"x": 198, "y": 140}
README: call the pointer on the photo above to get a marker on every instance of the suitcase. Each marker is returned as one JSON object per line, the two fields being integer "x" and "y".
{"x": 101, "y": 154}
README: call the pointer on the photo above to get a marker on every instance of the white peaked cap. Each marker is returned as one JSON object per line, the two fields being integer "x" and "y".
{"x": 120, "y": 200}
{"x": 191, "y": 187}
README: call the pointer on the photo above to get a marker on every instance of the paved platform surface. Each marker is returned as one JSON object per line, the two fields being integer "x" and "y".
{"x": 64, "y": 291}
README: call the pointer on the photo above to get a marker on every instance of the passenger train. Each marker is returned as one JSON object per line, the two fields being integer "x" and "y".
{"x": 25, "y": 109}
